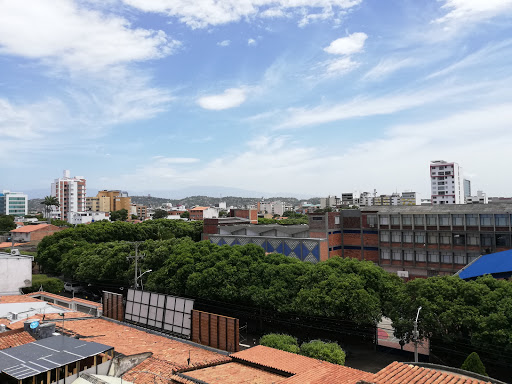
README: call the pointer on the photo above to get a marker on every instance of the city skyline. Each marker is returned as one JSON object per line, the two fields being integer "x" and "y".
{"x": 265, "y": 96}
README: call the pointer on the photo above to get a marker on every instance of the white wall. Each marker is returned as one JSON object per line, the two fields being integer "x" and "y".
{"x": 15, "y": 273}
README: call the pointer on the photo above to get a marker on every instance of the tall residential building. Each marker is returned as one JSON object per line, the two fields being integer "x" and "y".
{"x": 13, "y": 203}
{"x": 70, "y": 191}
{"x": 467, "y": 188}
{"x": 446, "y": 183}
{"x": 108, "y": 201}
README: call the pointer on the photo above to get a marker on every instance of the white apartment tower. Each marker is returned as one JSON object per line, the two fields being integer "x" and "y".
{"x": 70, "y": 191}
{"x": 447, "y": 183}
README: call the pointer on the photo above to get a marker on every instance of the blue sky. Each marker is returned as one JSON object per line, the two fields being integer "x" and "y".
{"x": 302, "y": 97}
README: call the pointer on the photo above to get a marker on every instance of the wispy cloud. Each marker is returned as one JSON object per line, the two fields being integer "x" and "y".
{"x": 473, "y": 10}
{"x": 204, "y": 13}
{"x": 388, "y": 66}
{"x": 224, "y": 43}
{"x": 251, "y": 42}
{"x": 349, "y": 45}
{"x": 230, "y": 98}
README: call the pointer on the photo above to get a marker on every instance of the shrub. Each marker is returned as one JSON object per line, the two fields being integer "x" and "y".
{"x": 280, "y": 341}
{"x": 474, "y": 364}
{"x": 50, "y": 284}
{"x": 320, "y": 350}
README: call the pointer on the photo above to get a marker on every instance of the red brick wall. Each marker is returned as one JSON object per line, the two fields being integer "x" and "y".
{"x": 335, "y": 253}
{"x": 335, "y": 239}
{"x": 216, "y": 331}
{"x": 370, "y": 239}
{"x": 354, "y": 253}
{"x": 324, "y": 251}
{"x": 352, "y": 239}
{"x": 351, "y": 222}
{"x": 317, "y": 235}
{"x": 371, "y": 256}
{"x": 43, "y": 232}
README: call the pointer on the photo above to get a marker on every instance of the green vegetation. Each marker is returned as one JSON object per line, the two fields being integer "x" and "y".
{"x": 474, "y": 364}
{"x": 320, "y": 350}
{"x": 49, "y": 284}
{"x": 159, "y": 214}
{"x": 280, "y": 341}
{"x": 49, "y": 202}
{"x": 315, "y": 349}
{"x": 7, "y": 223}
{"x": 294, "y": 221}
{"x": 185, "y": 215}
{"x": 121, "y": 215}
{"x": 60, "y": 223}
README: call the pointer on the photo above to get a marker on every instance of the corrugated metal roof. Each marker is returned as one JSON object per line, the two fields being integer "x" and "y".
{"x": 445, "y": 208}
{"x": 498, "y": 264}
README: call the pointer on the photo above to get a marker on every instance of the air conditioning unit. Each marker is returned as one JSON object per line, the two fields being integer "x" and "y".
{"x": 15, "y": 252}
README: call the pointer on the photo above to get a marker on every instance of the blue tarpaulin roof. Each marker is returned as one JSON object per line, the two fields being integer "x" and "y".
{"x": 498, "y": 264}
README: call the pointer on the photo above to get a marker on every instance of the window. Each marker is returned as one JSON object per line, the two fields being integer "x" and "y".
{"x": 459, "y": 239}
{"x": 421, "y": 256}
{"x": 384, "y": 220}
{"x": 472, "y": 257}
{"x": 408, "y": 255}
{"x": 371, "y": 220}
{"x": 385, "y": 254}
{"x": 396, "y": 237}
{"x": 501, "y": 220}
{"x": 432, "y": 238}
{"x": 433, "y": 257}
{"x": 502, "y": 240}
{"x": 419, "y": 237}
{"x": 396, "y": 254}
{"x": 486, "y": 240}
{"x": 486, "y": 220}
{"x": 458, "y": 220}
{"x": 444, "y": 220}
{"x": 407, "y": 220}
{"x": 446, "y": 257}
{"x": 459, "y": 258}
{"x": 407, "y": 237}
{"x": 431, "y": 219}
{"x": 471, "y": 220}
{"x": 317, "y": 218}
{"x": 337, "y": 220}
{"x": 445, "y": 238}
{"x": 419, "y": 220}
{"x": 473, "y": 239}
{"x": 384, "y": 236}
{"x": 395, "y": 220}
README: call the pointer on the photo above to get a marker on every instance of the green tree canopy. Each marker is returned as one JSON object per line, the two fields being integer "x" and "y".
{"x": 280, "y": 341}
{"x": 7, "y": 223}
{"x": 121, "y": 215}
{"x": 49, "y": 202}
{"x": 474, "y": 364}
{"x": 48, "y": 284}
{"x": 185, "y": 215}
{"x": 320, "y": 350}
{"x": 160, "y": 214}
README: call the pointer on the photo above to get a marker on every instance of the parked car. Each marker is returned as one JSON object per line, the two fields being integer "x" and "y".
{"x": 73, "y": 287}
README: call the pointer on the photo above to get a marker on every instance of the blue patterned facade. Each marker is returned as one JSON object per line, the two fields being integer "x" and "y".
{"x": 304, "y": 249}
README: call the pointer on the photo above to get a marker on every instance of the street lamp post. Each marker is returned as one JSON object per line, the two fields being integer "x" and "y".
{"x": 142, "y": 274}
{"x": 416, "y": 335}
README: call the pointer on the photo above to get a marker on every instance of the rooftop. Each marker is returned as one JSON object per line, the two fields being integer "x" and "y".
{"x": 31, "y": 228}
{"x": 234, "y": 373}
{"x": 498, "y": 264}
{"x": 14, "y": 339}
{"x": 444, "y": 208}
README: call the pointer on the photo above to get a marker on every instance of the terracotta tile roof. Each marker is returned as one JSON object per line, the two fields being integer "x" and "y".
{"x": 274, "y": 358}
{"x": 8, "y": 244}
{"x": 162, "y": 370}
{"x": 30, "y": 228}
{"x": 15, "y": 339}
{"x": 66, "y": 299}
{"x": 199, "y": 208}
{"x": 398, "y": 373}
{"x": 327, "y": 373}
{"x": 233, "y": 373}
{"x": 128, "y": 341}
{"x": 17, "y": 299}
{"x": 49, "y": 316}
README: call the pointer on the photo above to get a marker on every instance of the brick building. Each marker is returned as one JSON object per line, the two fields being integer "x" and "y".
{"x": 29, "y": 233}
{"x": 420, "y": 241}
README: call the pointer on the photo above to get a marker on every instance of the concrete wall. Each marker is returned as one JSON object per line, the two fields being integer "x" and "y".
{"x": 15, "y": 273}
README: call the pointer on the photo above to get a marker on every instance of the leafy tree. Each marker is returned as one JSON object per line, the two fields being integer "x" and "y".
{"x": 223, "y": 214}
{"x": 185, "y": 215}
{"x": 120, "y": 215}
{"x": 320, "y": 350}
{"x": 7, "y": 223}
{"x": 135, "y": 217}
{"x": 474, "y": 364}
{"x": 49, "y": 284}
{"x": 280, "y": 341}
{"x": 60, "y": 223}
{"x": 49, "y": 202}
{"x": 160, "y": 214}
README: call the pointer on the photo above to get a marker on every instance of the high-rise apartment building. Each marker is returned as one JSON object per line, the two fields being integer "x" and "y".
{"x": 108, "y": 201}
{"x": 70, "y": 191}
{"x": 467, "y": 188}
{"x": 13, "y": 203}
{"x": 446, "y": 183}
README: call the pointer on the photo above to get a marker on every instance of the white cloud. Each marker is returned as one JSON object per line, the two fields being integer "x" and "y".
{"x": 386, "y": 67}
{"x": 230, "y": 98}
{"x": 473, "y": 10}
{"x": 383, "y": 105}
{"x": 341, "y": 66}
{"x": 224, "y": 43}
{"x": 76, "y": 37}
{"x": 203, "y": 13}
{"x": 349, "y": 45}
{"x": 162, "y": 160}
{"x": 251, "y": 42}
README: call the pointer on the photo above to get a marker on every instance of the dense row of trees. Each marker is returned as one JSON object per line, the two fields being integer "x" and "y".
{"x": 462, "y": 315}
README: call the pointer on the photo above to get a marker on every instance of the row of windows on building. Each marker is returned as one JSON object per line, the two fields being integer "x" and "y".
{"x": 431, "y": 257}
{"x": 484, "y": 220}
{"x": 422, "y": 238}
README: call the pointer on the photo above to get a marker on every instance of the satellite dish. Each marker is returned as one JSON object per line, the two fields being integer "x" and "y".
{"x": 34, "y": 324}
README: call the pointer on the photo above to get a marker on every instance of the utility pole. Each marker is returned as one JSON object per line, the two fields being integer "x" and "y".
{"x": 136, "y": 257}
{"x": 416, "y": 335}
